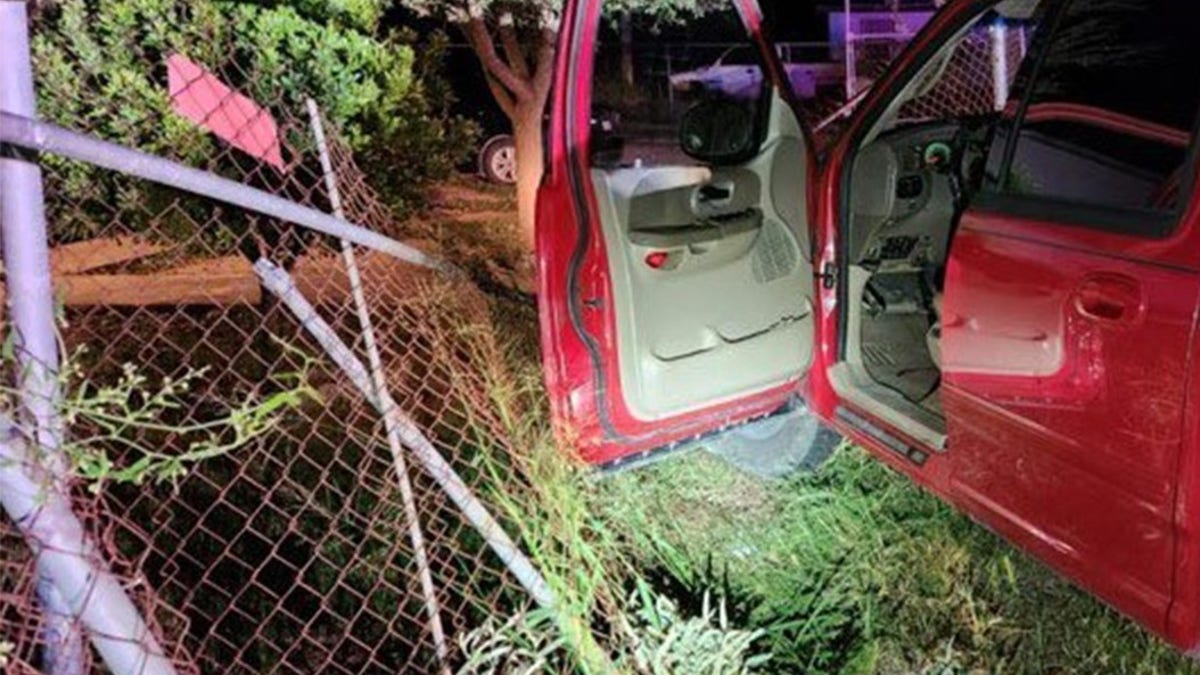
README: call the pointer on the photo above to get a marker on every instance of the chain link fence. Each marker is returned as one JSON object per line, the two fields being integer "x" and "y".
{"x": 268, "y": 450}
{"x": 283, "y": 467}
{"x": 974, "y": 79}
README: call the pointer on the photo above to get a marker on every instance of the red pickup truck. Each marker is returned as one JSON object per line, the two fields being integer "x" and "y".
{"x": 990, "y": 278}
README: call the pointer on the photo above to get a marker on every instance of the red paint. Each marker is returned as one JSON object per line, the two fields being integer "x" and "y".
{"x": 1069, "y": 359}
{"x": 1107, "y": 119}
{"x": 578, "y": 325}
{"x": 1065, "y": 390}
{"x": 203, "y": 98}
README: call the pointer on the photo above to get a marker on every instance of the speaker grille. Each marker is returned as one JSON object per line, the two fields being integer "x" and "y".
{"x": 775, "y": 255}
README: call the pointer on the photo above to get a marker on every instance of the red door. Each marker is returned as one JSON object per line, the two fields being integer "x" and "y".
{"x": 1071, "y": 299}
{"x": 676, "y": 295}
{"x": 1065, "y": 387}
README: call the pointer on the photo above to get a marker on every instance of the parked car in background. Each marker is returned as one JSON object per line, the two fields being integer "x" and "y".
{"x": 498, "y": 159}
{"x": 738, "y": 74}
{"x": 990, "y": 279}
{"x": 496, "y": 155}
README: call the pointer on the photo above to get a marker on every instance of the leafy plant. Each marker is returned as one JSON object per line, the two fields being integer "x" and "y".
{"x": 100, "y": 68}
{"x": 665, "y": 642}
{"x": 658, "y": 640}
{"x": 108, "y": 423}
{"x": 525, "y": 643}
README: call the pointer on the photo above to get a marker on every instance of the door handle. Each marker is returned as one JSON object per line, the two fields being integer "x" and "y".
{"x": 1110, "y": 299}
{"x": 715, "y": 193}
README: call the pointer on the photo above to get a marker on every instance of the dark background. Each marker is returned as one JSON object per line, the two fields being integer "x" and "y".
{"x": 790, "y": 21}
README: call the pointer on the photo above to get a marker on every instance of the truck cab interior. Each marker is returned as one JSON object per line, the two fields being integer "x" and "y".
{"x": 710, "y": 253}
{"x": 946, "y": 145}
{"x": 911, "y": 178}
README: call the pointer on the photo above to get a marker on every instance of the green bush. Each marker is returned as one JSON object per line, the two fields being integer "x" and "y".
{"x": 101, "y": 68}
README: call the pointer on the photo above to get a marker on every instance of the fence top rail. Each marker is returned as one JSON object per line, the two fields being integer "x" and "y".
{"x": 40, "y": 136}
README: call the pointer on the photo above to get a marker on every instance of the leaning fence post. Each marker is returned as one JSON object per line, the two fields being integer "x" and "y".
{"x": 575, "y": 629}
{"x": 415, "y": 535}
{"x": 277, "y": 281}
{"x": 67, "y": 557}
{"x": 23, "y": 132}
{"x": 75, "y": 589}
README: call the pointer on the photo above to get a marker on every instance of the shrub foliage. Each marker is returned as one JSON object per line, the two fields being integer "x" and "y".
{"x": 101, "y": 66}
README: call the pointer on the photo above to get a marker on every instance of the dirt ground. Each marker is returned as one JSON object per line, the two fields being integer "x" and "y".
{"x": 474, "y": 224}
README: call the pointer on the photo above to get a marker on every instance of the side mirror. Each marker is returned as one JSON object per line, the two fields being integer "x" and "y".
{"x": 607, "y": 144}
{"x": 720, "y": 132}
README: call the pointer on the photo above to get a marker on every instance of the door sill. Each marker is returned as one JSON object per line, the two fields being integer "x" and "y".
{"x": 855, "y": 387}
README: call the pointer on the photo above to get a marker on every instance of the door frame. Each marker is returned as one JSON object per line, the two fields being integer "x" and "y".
{"x": 909, "y": 455}
{"x": 578, "y": 327}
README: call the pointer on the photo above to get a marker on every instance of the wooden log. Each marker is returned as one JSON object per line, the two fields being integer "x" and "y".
{"x": 223, "y": 281}
{"x": 94, "y": 254}
{"x": 322, "y": 277}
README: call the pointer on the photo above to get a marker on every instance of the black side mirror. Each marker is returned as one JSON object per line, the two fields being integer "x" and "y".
{"x": 607, "y": 144}
{"x": 720, "y": 132}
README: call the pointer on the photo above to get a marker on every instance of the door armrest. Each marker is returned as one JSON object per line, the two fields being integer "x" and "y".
{"x": 704, "y": 231}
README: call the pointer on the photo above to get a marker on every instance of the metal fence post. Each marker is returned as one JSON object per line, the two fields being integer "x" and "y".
{"x": 850, "y": 56}
{"x": 998, "y": 32}
{"x": 416, "y": 536}
{"x": 277, "y": 281}
{"x": 75, "y": 590}
{"x": 31, "y": 309}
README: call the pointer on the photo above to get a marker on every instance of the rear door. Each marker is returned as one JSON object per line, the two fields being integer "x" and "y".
{"x": 675, "y": 297}
{"x": 1071, "y": 297}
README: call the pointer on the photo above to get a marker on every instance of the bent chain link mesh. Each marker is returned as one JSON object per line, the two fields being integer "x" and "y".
{"x": 290, "y": 553}
{"x": 965, "y": 88}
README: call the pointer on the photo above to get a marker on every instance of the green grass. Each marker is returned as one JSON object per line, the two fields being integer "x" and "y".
{"x": 854, "y": 570}
{"x": 850, "y": 569}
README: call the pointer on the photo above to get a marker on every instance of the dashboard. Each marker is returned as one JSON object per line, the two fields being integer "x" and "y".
{"x": 902, "y": 199}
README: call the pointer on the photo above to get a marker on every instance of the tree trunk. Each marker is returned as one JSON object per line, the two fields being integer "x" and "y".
{"x": 527, "y": 134}
{"x": 627, "y": 49}
{"x": 520, "y": 86}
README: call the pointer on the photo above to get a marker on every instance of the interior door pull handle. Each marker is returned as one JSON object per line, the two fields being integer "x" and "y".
{"x": 1114, "y": 299}
{"x": 715, "y": 193}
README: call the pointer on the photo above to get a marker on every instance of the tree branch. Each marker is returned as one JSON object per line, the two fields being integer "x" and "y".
{"x": 485, "y": 48}
{"x": 503, "y": 98}
{"x": 512, "y": 46}
{"x": 543, "y": 77}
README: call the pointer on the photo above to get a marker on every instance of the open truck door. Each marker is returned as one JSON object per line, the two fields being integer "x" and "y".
{"x": 676, "y": 295}
{"x": 1010, "y": 226}
{"x": 1017, "y": 230}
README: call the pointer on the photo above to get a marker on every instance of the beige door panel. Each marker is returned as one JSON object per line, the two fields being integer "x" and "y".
{"x": 728, "y": 314}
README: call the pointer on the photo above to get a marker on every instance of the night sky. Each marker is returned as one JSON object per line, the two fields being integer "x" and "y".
{"x": 795, "y": 20}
